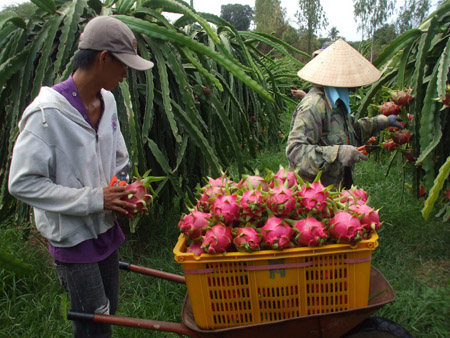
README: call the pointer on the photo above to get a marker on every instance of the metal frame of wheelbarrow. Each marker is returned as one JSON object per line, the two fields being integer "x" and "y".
{"x": 329, "y": 325}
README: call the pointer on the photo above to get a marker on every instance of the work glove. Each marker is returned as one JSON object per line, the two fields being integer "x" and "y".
{"x": 393, "y": 121}
{"x": 349, "y": 155}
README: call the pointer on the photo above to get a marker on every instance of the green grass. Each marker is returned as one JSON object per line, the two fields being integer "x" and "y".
{"x": 413, "y": 255}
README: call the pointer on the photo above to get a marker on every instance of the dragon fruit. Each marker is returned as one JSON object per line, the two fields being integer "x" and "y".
{"x": 313, "y": 196}
{"x": 226, "y": 208}
{"x": 247, "y": 239}
{"x": 141, "y": 198}
{"x": 369, "y": 218}
{"x": 402, "y": 97}
{"x": 402, "y": 136}
{"x": 281, "y": 176}
{"x": 390, "y": 144}
{"x": 277, "y": 233}
{"x": 353, "y": 196}
{"x": 345, "y": 228}
{"x": 311, "y": 232}
{"x": 217, "y": 239}
{"x": 390, "y": 108}
{"x": 252, "y": 203}
{"x": 195, "y": 248}
{"x": 254, "y": 182}
{"x": 194, "y": 224}
{"x": 281, "y": 201}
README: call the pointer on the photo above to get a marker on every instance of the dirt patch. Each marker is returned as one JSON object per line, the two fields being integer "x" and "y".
{"x": 436, "y": 272}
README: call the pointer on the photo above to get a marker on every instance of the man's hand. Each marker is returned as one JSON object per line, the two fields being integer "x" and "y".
{"x": 394, "y": 121}
{"x": 298, "y": 93}
{"x": 112, "y": 199}
{"x": 349, "y": 155}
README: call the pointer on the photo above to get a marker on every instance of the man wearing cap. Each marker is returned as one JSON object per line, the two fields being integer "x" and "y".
{"x": 324, "y": 135}
{"x": 69, "y": 147}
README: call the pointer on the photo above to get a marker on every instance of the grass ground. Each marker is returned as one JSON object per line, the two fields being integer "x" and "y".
{"x": 413, "y": 254}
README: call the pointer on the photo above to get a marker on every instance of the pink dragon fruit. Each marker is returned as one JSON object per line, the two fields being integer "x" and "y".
{"x": 226, "y": 208}
{"x": 353, "y": 196}
{"x": 221, "y": 182}
{"x": 217, "y": 239}
{"x": 402, "y": 97}
{"x": 313, "y": 196}
{"x": 195, "y": 248}
{"x": 281, "y": 176}
{"x": 390, "y": 108}
{"x": 311, "y": 232}
{"x": 369, "y": 218}
{"x": 194, "y": 224}
{"x": 247, "y": 239}
{"x": 252, "y": 203}
{"x": 141, "y": 198}
{"x": 281, "y": 201}
{"x": 254, "y": 182}
{"x": 345, "y": 228}
{"x": 277, "y": 233}
{"x": 208, "y": 197}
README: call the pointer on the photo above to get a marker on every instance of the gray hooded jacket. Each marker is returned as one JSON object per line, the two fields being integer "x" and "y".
{"x": 60, "y": 166}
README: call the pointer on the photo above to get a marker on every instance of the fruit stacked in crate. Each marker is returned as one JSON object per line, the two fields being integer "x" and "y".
{"x": 275, "y": 212}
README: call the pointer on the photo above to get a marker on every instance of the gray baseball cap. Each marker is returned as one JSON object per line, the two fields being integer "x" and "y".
{"x": 111, "y": 34}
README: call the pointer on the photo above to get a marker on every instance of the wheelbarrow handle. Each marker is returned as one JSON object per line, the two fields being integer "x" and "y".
{"x": 156, "y": 325}
{"x": 152, "y": 272}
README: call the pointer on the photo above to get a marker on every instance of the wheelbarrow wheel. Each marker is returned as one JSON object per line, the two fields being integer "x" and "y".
{"x": 377, "y": 327}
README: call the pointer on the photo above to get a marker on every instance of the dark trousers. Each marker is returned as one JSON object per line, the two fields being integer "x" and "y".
{"x": 92, "y": 288}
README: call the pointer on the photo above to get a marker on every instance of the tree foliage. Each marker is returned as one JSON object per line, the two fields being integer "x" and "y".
{"x": 239, "y": 16}
{"x": 372, "y": 14}
{"x": 311, "y": 17}
{"x": 411, "y": 14}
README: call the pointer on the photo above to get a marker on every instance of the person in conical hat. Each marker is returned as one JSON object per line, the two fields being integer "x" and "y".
{"x": 324, "y": 135}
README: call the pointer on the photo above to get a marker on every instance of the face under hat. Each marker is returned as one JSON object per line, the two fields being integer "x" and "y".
{"x": 339, "y": 65}
{"x": 111, "y": 34}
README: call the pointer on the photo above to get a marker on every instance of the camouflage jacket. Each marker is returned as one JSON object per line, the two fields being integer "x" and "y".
{"x": 316, "y": 132}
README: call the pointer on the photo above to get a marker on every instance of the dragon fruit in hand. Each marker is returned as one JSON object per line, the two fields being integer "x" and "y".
{"x": 141, "y": 198}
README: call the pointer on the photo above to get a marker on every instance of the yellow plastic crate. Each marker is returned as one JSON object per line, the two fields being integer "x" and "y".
{"x": 250, "y": 288}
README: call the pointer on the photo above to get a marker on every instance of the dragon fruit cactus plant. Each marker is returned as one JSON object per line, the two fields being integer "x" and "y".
{"x": 281, "y": 201}
{"x": 277, "y": 233}
{"x": 253, "y": 204}
{"x": 247, "y": 239}
{"x": 217, "y": 239}
{"x": 195, "y": 248}
{"x": 310, "y": 232}
{"x": 345, "y": 228}
{"x": 194, "y": 224}
{"x": 226, "y": 208}
{"x": 313, "y": 197}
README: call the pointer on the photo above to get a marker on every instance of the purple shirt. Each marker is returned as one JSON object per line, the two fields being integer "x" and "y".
{"x": 96, "y": 249}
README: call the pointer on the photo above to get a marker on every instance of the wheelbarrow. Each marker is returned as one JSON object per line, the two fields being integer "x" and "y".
{"x": 349, "y": 323}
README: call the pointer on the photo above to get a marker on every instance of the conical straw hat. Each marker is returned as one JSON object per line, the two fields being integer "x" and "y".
{"x": 339, "y": 65}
